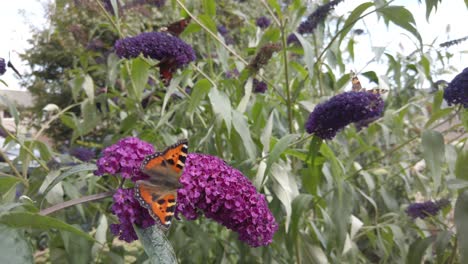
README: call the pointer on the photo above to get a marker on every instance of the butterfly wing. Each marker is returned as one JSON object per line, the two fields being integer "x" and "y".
{"x": 178, "y": 27}
{"x": 356, "y": 83}
{"x": 160, "y": 203}
{"x": 357, "y": 86}
{"x": 158, "y": 193}
{"x": 166, "y": 68}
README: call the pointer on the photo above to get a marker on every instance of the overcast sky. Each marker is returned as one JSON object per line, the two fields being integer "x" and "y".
{"x": 17, "y": 16}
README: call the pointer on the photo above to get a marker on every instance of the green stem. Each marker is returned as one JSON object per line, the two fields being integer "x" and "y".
{"x": 114, "y": 23}
{"x": 289, "y": 102}
{"x": 73, "y": 202}
{"x": 43, "y": 165}
{"x": 13, "y": 168}
{"x": 214, "y": 35}
{"x": 345, "y": 28}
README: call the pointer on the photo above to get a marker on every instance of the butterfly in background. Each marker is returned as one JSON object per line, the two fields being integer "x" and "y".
{"x": 158, "y": 193}
{"x": 177, "y": 27}
{"x": 168, "y": 66}
{"x": 357, "y": 86}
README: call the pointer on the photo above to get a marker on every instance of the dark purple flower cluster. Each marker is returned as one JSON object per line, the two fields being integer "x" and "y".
{"x": 263, "y": 22}
{"x": 341, "y": 110}
{"x": 225, "y": 33}
{"x": 2, "y": 66}
{"x": 129, "y": 212}
{"x": 259, "y": 86}
{"x": 225, "y": 195}
{"x": 457, "y": 90}
{"x": 83, "y": 154}
{"x": 292, "y": 39}
{"x": 124, "y": 157}
{"x": 426, "y": 209}
{"x": 232, "y": 74}
{"x": 319, "y": 15}
{"x": 222, "y": 30}
{"x": 156, "y": 45}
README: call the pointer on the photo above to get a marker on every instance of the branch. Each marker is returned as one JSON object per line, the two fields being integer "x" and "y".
{"x": 73, "y": 202}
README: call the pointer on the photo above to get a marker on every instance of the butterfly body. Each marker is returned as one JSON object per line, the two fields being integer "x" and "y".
{"x": 168, "y": 66}
{"x": 158, "y": 193}
{"x": 356, "y": 86}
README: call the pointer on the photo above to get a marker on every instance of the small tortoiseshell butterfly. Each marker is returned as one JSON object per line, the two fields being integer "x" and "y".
{"x": 158, "y": 193}
{"x": 357, "y": 86}
{"x": 168, "y": 66}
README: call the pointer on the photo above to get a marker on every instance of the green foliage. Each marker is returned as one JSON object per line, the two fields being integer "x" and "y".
{"x": 336, "y": 201}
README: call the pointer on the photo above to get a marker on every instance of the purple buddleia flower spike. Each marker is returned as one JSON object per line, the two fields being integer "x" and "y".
{"x": 129, "y": 212}
{"x": 225, "y": 195}
{"x": 319, "y": 15}
{"x": 341, "y": 110}
{"x": 426, "y": 209}
{"x": 457, "y": 90}
{"x": 124, "y": 158}
{"x": 2, "y": 66}
{"x": 156, "y": 45}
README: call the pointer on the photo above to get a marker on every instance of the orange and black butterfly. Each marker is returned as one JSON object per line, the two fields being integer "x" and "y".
{"x": 357, "y": 86}
{"x": 168, "y": 66}
{"x": 158, "y": 193}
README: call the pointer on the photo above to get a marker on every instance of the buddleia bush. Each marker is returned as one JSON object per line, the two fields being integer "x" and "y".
{"x": 285, "y": 163}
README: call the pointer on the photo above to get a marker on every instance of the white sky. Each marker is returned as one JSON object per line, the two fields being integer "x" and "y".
{"x": 16, "y": 17}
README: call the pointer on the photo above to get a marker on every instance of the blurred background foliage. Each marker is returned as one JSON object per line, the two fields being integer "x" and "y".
{"x": 337, "y": 201}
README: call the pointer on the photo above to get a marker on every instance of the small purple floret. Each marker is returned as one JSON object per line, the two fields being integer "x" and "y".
{"x": 259, "y": 86}
{"x": 263, "y": 22}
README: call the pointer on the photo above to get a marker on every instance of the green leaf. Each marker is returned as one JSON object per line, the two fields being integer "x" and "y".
{"x": 208, "y": 22}
{"x": 285, "y": 188}
{"x": 30, "y": 220}
{"x": 88, "y": 87}
{"x": 140, "y": 73}
{"x": 210, "y": 7}
{"x": 72, "y": 171}
{"x": 275, "y": 5}
{"x": 401, "y": 17}
{"x": 461, "y": 165}
{"x": 278, "y": 149}
{"x": 247, "y": 93}
{"x": 353, "y": 18}
{"x": 434, "y": 153}
{"x": 436, "y": 115}
{"x": 417, "y": 249}
{"x": 199, "y": 91}
{"x": 156, "y": 245}
{"x": 11, "y": 108}
{"x": 7, "y": 182}
{"x": 461, "y": 222}
{"x": 240, "y": 125}
{"x": 14, "y": 247}
{"x": 221, "y": 106}
{"x": 300, "y": 205}
{"x": 309, "y": 54}
{"x": 431, "y": 4}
